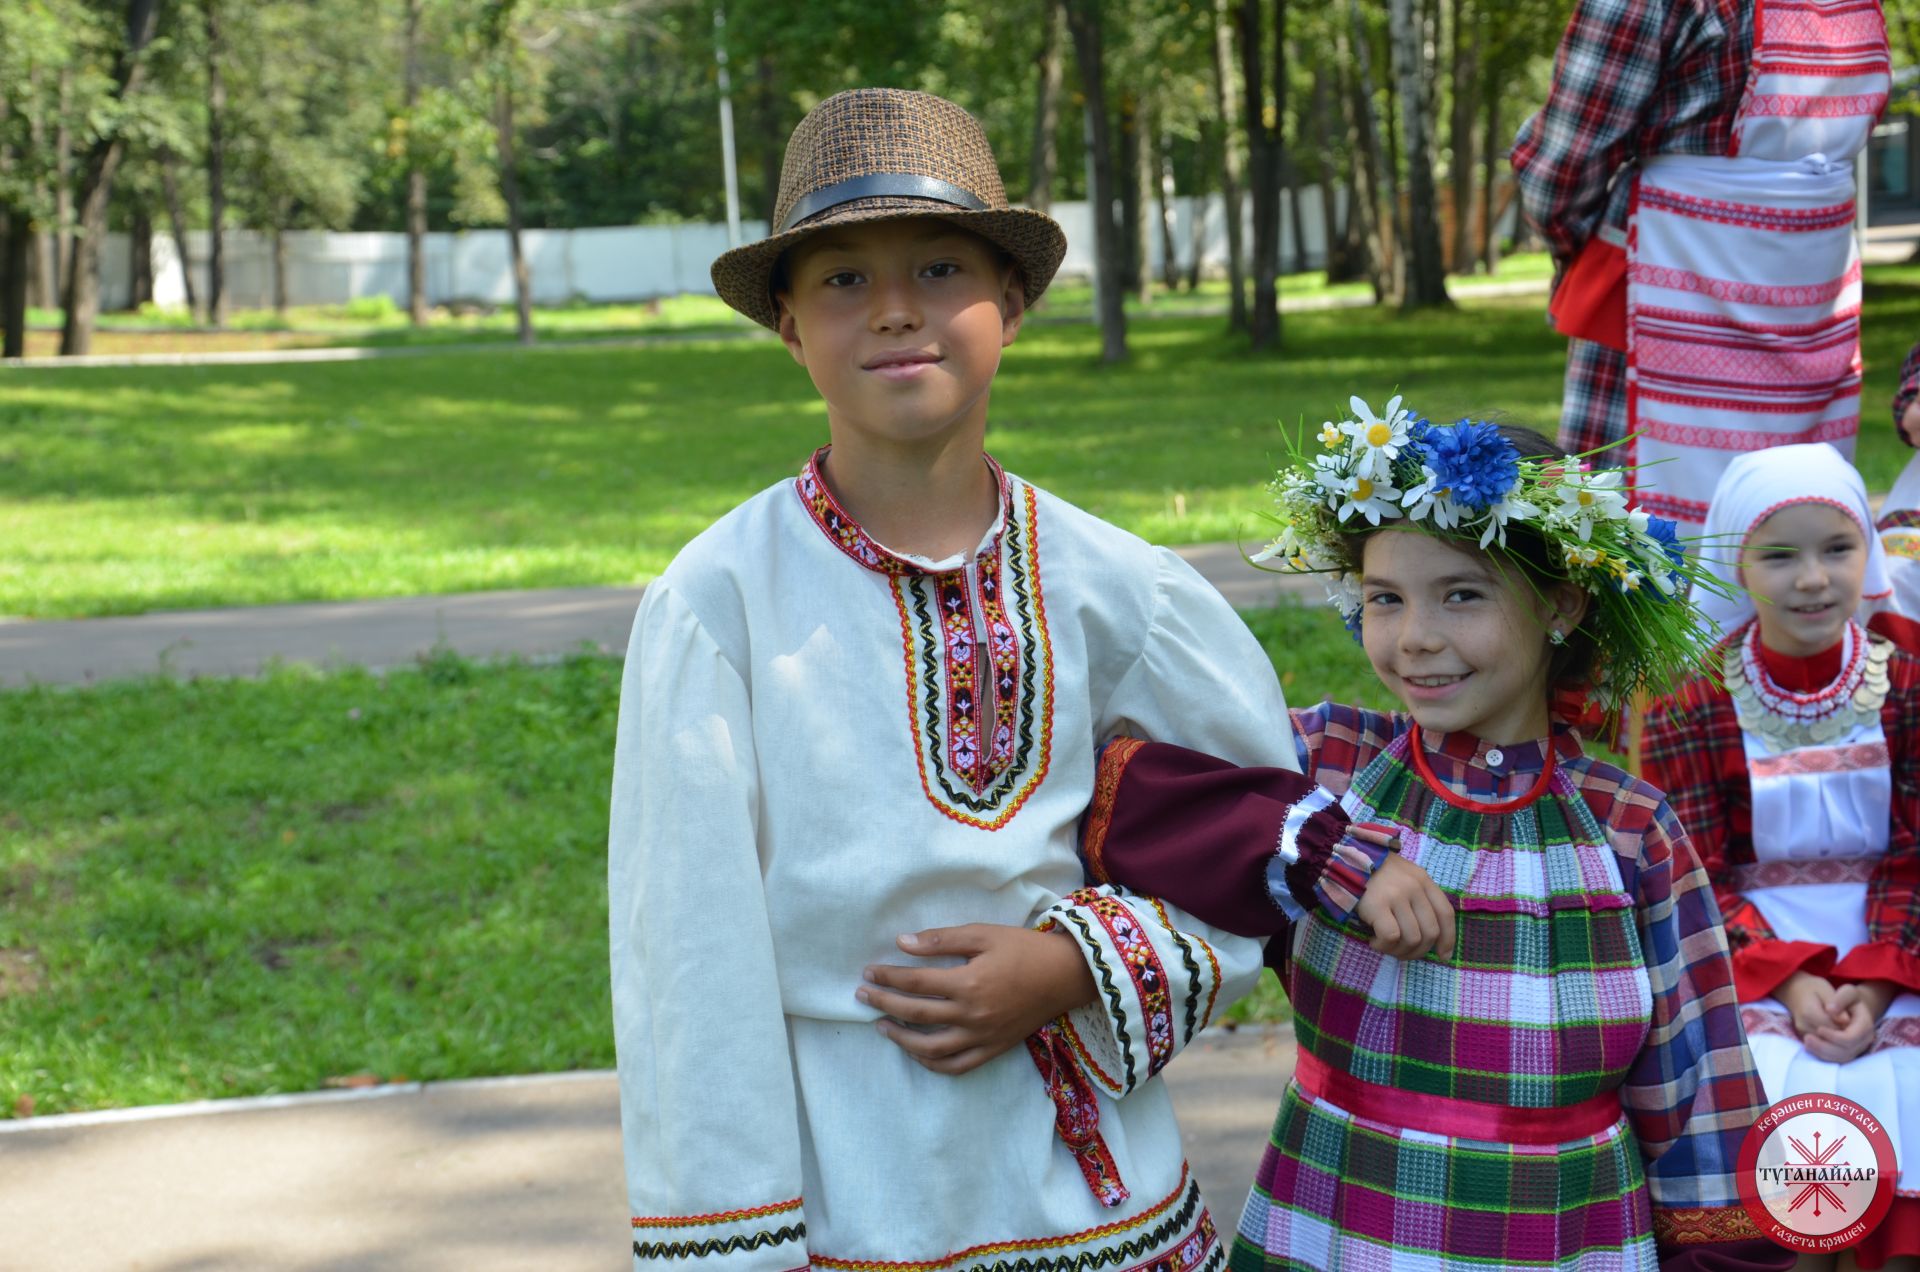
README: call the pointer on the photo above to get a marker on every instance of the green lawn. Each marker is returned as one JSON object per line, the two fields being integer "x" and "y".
{"x": 130, "y": 489}
{"x": 229, "y": 887}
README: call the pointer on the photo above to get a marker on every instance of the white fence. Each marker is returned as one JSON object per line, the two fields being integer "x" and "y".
{"x": 622, "y": 263}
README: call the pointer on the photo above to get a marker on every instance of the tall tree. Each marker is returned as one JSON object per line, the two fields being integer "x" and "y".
{"x": 1084, "y": 20}
{"x": 1226, "y": 98}
{"x": 1426, "y": 266}
{"x": 1372, "y": 188}
{"x": 416, "y": 174}
{"x": 96, "y": 182}
{"x": 1469, "y": 38}
{"x": 1048, "y": 70}
{"x": 216, "y": 169}
{"x": 177, "y": 222}
{"x": 1263, "y": 171}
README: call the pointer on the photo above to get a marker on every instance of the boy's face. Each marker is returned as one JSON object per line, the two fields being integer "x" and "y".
{"x": 900, "y": 324}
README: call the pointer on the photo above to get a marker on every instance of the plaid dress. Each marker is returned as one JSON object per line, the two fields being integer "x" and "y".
{"x": 1631, "y": 78}
{"x": 1589, "y": 963}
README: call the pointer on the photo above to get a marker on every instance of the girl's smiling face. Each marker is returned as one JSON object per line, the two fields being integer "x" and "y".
{"x": 1804, "y": 565}
{"x": 1459, "y": 639}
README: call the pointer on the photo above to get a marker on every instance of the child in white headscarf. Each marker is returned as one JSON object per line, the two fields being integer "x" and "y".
{"x": 1796, "y": 772}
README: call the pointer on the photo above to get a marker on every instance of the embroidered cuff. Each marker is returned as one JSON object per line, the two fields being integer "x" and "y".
{"x": 765, "y": 1238}
{"x": 1310, "y": 831}
{"x": 1134, "y": 1025}
{"x": 1355, "y": 858}
{"x": 1880, "y": 960}
{"x": 1760, "y": 967}
{"x": 1702, "y": 1225}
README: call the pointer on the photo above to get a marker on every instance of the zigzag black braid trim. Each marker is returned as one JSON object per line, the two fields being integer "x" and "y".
{"x": 732, "y": 1245}
{"x": 1172, "y": 1226}
{"x": 1109, "y": 986}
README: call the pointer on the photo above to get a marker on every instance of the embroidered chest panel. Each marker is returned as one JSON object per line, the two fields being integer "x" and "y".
{"x": 978, "y": 657}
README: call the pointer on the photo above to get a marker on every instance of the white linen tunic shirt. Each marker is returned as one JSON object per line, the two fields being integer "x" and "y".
{"x": 823, "y": 745}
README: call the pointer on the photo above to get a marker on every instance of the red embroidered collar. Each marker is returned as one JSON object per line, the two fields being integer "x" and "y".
{"x": 839, "y": 526}
{"x": 1452, "y": 743}
{"x": 1804, "y": 675}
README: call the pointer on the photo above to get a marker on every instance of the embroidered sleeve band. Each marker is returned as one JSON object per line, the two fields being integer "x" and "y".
{"x": 770, "y": 1237}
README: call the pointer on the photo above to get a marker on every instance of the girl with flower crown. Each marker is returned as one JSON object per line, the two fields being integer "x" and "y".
{"x": 1794, "y": 766}
{"x": 1518, "y": 1040}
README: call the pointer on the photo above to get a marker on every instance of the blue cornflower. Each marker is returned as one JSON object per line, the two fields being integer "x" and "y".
{"x": 1473, "y": 463}
{"x": 1667, "y": 535}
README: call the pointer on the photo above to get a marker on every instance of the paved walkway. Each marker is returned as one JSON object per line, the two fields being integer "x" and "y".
{"x": 388, "y": 633}
{"x": 488, "y": 1176}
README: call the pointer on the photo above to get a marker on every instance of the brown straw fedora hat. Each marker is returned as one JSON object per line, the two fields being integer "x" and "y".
{"x": 874, "y": 154}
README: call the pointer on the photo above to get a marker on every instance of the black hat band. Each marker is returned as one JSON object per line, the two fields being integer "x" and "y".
{"x": 894, "y": 185}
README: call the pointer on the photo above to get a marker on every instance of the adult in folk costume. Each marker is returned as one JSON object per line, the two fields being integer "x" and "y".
{"x": 1692, "y": 172}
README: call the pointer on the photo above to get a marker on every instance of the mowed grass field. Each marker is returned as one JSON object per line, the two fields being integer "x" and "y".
{"x": 231, "y": 887}
{"x": 124, "y": 490}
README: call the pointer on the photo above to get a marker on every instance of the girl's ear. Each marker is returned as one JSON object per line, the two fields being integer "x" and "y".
{"x": 1567, "y": 605}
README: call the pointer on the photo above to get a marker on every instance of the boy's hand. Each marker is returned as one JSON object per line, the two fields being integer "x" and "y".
{"x": 1014, "y": 981}
{"x": 1809, "y": 999}
{"x": 1857, "y": 1010}
{"x": 1409, "y": 914}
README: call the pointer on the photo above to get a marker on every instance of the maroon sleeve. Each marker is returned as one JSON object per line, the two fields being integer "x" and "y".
{"x": 1201, "y": 833}
{"x": 1755, "y": 1254}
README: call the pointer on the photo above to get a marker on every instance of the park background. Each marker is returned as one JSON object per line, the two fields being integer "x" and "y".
{"x": 326, "y": 875}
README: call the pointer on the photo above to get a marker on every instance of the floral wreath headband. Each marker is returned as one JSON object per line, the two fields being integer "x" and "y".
{"x": 1465, "y": 481}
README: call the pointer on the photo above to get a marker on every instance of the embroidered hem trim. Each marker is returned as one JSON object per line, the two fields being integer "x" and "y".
{"x": 1701, "y": 1226}
{"x": 1450, "y": 1116}
{"x": 726, "y": 1216}
{"x": 1185, "y": 1196}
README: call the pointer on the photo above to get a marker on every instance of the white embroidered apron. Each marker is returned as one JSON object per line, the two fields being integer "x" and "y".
{"x": 1743, "y": 276}
{"x": 1820, "y": 825}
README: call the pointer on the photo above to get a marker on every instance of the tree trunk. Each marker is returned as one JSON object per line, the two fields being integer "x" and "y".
{"x": 13, "y": 294}
{"x": 1296, "y": 263}
{"x": 170, "y": 185}
{"x": 1426, "y": 269}
{"x": 1226, "y": 105}
{"x": 63, "y": 235}
{"x": 770, "y": 134}
{"x": 216, "y": 173}
{"x": 96, "y": 185}
{"x": 1133, "y": 218}
{"x": 1370, "y": 181}
{"x": 1263, "y": 175}
{"x": 1049, "y": 67}
{"x": 510, "y": 190}
{"x": 140, "y": 257}
{"x": 416, "y": 177}
{"x": 280, "y": 268}
{"x": 1467, "y": 46}
{"x": 1490, "y": 155}
{"x": 1169, "y": 246}
{"x": 1340, "y": 263}
{"x": 1083, "y": 19}
{"x": 1197, "y": 200}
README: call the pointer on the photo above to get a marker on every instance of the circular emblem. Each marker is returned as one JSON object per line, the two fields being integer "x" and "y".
{"x": 1816, "y": 1173}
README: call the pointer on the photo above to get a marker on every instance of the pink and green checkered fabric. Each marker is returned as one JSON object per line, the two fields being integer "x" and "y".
{"x": 1583, "y": 966}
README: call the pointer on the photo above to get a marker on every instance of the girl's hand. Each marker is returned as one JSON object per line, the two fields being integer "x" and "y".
{"x": 1409, "y": 914}
{"x": 1857, "y": 1012}
{"x": 1809, "y": 1000}
{"x": 955, "y": 1019}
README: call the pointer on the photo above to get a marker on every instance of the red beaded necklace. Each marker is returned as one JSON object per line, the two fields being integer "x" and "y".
{"x": 1425, "y": 770}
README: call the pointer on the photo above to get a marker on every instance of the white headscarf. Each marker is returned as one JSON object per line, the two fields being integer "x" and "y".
{"x": 1759, "y": 484}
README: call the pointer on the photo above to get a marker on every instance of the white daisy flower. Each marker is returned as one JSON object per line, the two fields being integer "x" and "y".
{"x": 1330, "y": 435}
{"x": 1344, "y": 591}
{"x": 1371, "y": 499}
{"x": 1285, "y": 544}
{"x": 1430, "y": 500}
{"x": 1499, "y": 514}
{"x": 1377, "y": 442}
{"x": 1589, "y": 497}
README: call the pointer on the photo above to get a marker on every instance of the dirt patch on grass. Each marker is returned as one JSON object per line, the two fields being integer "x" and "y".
{"x": 20, "y": 973}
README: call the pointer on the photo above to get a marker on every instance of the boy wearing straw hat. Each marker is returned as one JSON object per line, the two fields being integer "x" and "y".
{"x": 857, "y": 732}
